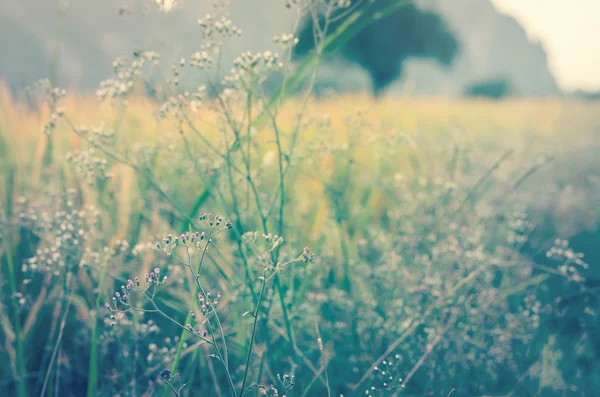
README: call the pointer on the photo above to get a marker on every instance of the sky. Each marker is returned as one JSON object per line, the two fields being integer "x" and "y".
{"x": 570, "y": 33}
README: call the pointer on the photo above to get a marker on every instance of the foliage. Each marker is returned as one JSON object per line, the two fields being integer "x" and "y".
{"x": 400, "y": 31}
{"x": 495, "y": 89}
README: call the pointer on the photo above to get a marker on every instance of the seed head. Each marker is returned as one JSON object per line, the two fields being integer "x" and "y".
{"x": 308, "y": 255}
{"x": 165, "y": 373}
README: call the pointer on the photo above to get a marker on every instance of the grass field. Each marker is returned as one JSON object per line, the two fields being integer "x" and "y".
{"x": 433, "y": 225}
{"x": 251, "y": 238}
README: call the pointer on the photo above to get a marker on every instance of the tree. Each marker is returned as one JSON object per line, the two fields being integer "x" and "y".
{"x": 382, "y": 47}
{"x": 494, "y": 89}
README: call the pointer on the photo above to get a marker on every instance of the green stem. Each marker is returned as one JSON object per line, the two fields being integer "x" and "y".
{"x": 93, "y": 368}
{"x": 253, "y": 336}
{"x": 22, "y": 390}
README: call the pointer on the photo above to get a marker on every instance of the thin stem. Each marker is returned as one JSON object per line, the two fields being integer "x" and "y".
{"x": 93, "y": 368}
{"x": 253, "y": 336}
{"x": 60, "y": 335}
{"x": 173, "y": 388}
{"x": 320, "y": 343}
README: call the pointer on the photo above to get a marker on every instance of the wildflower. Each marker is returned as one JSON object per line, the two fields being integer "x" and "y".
{"x": 308, "y": 255}
{"x": 165, "y": 373}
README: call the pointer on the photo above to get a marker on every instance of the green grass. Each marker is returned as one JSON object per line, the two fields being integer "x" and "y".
{"x": 433, "y": 224}
{"x": 355, "y": 202}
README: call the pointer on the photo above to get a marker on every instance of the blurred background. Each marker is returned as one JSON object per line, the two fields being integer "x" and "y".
{"x": 525, "y": 48}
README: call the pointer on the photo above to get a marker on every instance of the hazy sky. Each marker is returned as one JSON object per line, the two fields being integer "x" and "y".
{"x": 570, "y": 32}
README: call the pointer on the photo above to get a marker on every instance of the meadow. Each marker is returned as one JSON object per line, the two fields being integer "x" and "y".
{"x": 230, "y": 242}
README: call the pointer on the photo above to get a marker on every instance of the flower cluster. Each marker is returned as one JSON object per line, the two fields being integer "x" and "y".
{"x": 572, "y": 263}
{"x": 187, "y": 240}
{"x": 250, "y": 68}
{"x": 286, "y": 381}
{"x": 122, "y": 301}
{"x": 52, "y": 96}
{"x": 176, "y": 105}
{"x": 270, "y": 391}
{"x": 201, "y": 59}
{"x": 308, "y": 256}
{"x": 64, "y": 233}
{"x": 286, "y": 40}
{"x": 212, "y": 25}
{"x": 96, "y": 134}
{"x": 386, "y": 376}
{"x": 519, "y": 226}
{"x": 95, "y": 259}
{"x": 191, "y": 239}
{"x": 122, "y": 84}
{"x": 207, "y": 302}
{"x": 88, "y": 165}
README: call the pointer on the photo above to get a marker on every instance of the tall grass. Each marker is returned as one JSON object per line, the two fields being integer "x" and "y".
{"x": 424, "y": 217}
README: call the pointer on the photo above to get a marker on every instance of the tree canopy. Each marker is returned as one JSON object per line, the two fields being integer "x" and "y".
{"x": 383, "y": 46}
